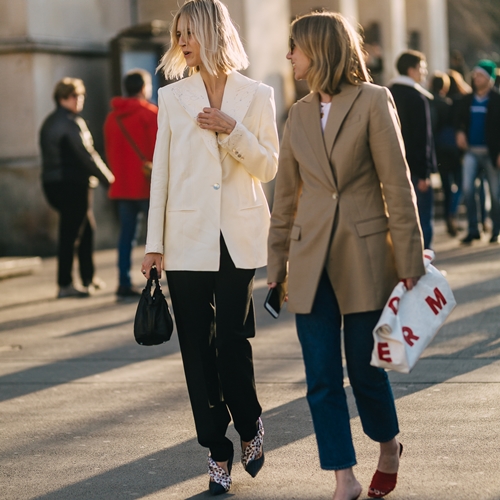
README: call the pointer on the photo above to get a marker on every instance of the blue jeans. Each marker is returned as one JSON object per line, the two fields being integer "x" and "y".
{"x": 320, "y": 336}
{"x": 425, "y": 204}
{"x": 130, "y": 213}
{"x": 473, "y": 164}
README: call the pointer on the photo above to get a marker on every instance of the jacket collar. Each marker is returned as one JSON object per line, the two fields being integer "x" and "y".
{"x": 238, "y": 95}
{"x": 322, "y": 143}
{"x": 410, "y": 82}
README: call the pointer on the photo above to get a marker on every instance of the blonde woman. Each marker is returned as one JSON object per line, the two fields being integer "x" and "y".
{"x": 208, "y": 223}
{"x": 344, "y": 231}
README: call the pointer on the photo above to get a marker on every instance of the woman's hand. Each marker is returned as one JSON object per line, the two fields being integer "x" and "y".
{"x": 410, "y": 282}
{"x": 423, "y": 185}
{"x": 150, "y": 260}
{"x": 461, "y": 139}
{"x": 216, "y": 120}
{"x": 274, "y": 285}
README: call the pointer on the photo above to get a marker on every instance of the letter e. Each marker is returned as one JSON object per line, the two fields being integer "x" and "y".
{"x": 384, "y": 352}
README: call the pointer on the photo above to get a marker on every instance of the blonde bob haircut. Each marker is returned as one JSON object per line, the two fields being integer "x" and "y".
{"x": 335, "y": 51}
{"x": 221, "y": 50}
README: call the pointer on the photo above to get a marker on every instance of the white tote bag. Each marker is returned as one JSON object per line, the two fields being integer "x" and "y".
{"x": 411, "y": 319}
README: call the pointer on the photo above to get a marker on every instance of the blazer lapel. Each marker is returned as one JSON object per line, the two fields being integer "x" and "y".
{"x": 192, "y": 96}
{"x": 341, "y": 104}
{"x": 238, "y": 95}
{"x": 310, "y": 117}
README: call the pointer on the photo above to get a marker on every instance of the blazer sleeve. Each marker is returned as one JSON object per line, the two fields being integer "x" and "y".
{"x": 387, "y": 149}
{"x": 81, "y": 143}
{"x": 159, "y": 181}
{"x": 258, "y": 153}
{"x": 286, "y": 197}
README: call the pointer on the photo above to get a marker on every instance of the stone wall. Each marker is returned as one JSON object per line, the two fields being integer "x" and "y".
{"x": 40, "y": 43}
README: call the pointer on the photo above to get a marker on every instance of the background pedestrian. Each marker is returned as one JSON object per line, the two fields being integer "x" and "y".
{"x": 447, "y": 153}
{"x": 70, "y": 168}
{"x": 478, "y": 133}
{"x": 412, "y": 103}
{"x": 130, "y": 135}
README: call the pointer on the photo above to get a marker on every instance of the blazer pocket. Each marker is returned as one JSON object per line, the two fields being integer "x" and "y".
{"x": 180, "y": 209}
{"x": 295, "y": 233}
{"x": 372, "y": 226}
{"x": 251, "y": 206}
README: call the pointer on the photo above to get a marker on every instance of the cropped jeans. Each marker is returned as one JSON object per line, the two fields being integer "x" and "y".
{"x": 320, "y": 336}
{"x": 474, "y": 162}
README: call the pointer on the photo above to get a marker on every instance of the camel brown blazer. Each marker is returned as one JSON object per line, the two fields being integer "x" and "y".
{"x": 344, "y": 202}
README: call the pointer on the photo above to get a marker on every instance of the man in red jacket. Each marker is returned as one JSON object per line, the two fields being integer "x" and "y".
{"x": 129, "y": 135}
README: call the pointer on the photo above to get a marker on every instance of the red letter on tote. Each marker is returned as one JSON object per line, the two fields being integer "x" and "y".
{"x": 394, "y": 304}
{"x": 437, "y": 303}
{"x": 409, "y": 336}
{"x": 384, "y": 353}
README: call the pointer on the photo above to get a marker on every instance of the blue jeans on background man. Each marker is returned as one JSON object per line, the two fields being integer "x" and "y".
{"x": 425, "y": 205}
{"x": 474, "y": 161}
{"x": 320, "y": 336}
{"x": 131, "y": 213}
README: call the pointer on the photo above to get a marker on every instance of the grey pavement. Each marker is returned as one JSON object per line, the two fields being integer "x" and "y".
{"x": 85, "y": 413}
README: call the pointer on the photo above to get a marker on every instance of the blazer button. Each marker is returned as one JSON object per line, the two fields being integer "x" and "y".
{"x": 216, "y": 186}
{"x": 335, "y": 196}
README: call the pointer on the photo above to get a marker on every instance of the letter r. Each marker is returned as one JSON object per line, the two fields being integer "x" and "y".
{"x": 409, "y": 336}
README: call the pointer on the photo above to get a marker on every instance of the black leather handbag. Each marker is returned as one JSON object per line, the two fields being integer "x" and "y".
{"x": 153, "y": 323}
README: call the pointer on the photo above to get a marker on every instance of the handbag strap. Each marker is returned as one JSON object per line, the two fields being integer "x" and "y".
{"x": 132, "y": 143}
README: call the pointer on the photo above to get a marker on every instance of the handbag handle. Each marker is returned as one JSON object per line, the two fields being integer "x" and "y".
{"x": 153, "y": 278}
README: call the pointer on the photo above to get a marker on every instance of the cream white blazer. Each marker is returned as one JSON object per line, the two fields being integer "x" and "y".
{"x": 203, "y": 184}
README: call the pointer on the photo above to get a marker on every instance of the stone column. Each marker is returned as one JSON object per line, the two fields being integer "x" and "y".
{"x": 437, "y": 22}
{"x": 349, "y": 9}
{"x": 391, "y": 16}
{"x": 264, "y": 27}
{"x": 396, "y": 34}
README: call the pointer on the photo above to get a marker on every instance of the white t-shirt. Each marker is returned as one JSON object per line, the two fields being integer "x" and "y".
{"x": 325, "y": 110}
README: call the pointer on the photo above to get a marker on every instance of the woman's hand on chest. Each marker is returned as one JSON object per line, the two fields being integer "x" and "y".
{"x": 216, "y": 120}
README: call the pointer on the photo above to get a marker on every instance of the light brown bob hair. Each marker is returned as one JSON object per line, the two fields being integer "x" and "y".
{"x": 334, "y": 48}
{"x": 221, "y": 49}
{"x": 67, "y": 86}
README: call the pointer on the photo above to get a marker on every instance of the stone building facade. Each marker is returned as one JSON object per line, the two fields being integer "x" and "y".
{"x": 42, "y": 41}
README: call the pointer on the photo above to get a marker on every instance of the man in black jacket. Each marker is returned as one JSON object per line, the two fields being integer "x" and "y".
{"x": 70, "y": 166}
{"x": 478, "y": 135}
{"x": 412, "y": 103}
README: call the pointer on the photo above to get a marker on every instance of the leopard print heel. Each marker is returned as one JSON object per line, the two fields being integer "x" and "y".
{"x": 220, "y": 480}
{"x": 249, "y": 459}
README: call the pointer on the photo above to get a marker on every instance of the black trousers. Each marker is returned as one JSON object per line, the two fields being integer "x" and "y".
{"x": 76, "y": 229}
{"x": 214, "y": 316}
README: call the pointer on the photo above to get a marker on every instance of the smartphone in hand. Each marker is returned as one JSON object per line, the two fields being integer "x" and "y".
{"x": 275, "y": 299}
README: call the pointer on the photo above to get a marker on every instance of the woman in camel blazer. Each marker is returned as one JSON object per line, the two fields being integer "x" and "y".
{"x": 344, "y": 230}
{"x": 209, "y": 221}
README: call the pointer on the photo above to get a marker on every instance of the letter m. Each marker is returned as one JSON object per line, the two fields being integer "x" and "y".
{"x": 436, "y": 303}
